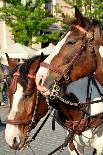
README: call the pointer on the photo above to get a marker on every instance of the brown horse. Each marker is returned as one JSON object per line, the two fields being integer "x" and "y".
{"x": 27, "y": 107}
{"x": 22, "y": 94}
{"x": 78, "y": 54}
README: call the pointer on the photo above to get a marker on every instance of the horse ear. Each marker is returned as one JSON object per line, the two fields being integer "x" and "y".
{"x": 11, "y": 63}
{"x": 42, "y": 56}
{"x": 7, "y": 56}
{"x": 66, "y": 19}
{"x": 79, "y": 17}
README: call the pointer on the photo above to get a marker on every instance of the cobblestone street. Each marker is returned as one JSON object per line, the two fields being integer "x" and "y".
{"x": 46, "y": 141}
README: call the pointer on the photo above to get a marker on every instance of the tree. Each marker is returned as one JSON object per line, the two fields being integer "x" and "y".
{"x": 90, "y": 8}
{"x": 29, "y": 21}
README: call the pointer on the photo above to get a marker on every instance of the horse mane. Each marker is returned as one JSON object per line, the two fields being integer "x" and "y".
{"x": 24, "y": 68}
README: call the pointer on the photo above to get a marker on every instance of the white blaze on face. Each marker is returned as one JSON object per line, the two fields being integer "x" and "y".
{"x": 12, "y": 131}
{"x": 101, "y": 51}
{"x": 43, "y": 72}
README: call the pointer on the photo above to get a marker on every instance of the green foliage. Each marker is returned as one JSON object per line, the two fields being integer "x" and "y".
{"x": 14, "y": 2}
{"x": 28, "y": 21}
{"x": 52, "y": 36}
{"x": 90, "y": 8}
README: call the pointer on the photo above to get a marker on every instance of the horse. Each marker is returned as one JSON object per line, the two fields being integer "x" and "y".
{"x": 77, "y": 54}
{"x": 27, "y": 106}
{"x": 26, "y": 111}
{"x": 4, "y": 71}
{"x": 22, "y": 97}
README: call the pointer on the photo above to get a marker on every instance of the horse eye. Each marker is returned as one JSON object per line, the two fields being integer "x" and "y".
{"x": 27, "y": 95}
{"x": 71, "y": 42}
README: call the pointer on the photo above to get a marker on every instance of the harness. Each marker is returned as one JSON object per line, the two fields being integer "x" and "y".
{"x": 12, "y": 91}
{"x": 32, "y": 121}
{"x": 75, "y": 127}
{"x": 80, "y": 49}
{"x": 86, "y": 121}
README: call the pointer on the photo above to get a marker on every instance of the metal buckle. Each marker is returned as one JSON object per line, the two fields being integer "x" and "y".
{"x": 55, "y": 90}
{"x": 90, "y": 35}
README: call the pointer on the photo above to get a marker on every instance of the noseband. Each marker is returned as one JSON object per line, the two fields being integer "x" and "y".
{"x": 13, "y": 88}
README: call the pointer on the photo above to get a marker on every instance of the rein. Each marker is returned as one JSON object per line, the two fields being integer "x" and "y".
{"x": 30, "y": 122}
{"x": 86, "y": 122}
{"x": 43, "y": 123}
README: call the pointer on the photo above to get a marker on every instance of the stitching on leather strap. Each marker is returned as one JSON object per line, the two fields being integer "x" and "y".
{"x": 52, "y": 68}
{"x": 80, "y": 29}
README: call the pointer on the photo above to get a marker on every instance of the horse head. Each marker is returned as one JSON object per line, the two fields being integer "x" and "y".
{"x": 27, "y": 106}
{"x": 75, "y": 55}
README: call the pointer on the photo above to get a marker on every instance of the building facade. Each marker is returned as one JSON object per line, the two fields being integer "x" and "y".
{"x": 55, "y": 8}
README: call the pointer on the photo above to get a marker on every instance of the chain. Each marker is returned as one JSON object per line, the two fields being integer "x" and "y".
{"x": 60, "y": 151}
{"x": 68, "y": 102}
{"x": 80, "y": 103}
{"x": 55, "y": 90}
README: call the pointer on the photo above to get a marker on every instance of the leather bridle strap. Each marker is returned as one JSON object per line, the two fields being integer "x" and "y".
{"x": 52, "y": 68}
{"x": 19, "y": 122}
{"x": 13, "y": 89}
{"x": 58, "y": 70}
{"x": 79, "y": 52}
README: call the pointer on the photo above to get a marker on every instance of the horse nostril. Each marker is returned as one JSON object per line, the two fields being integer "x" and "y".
{"x": 40, "y": 82}
{"x": 15, "y": 144}
{"x": 14, "y": 140}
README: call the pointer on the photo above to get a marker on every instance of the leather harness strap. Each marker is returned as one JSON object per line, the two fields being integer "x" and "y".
{"x": 83, "y": 124}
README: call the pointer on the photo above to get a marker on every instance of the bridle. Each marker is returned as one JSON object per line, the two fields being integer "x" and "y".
{"x": 30, "y": 122}
{"x": 89, "y": 37}
{"x": 79, "y": 51}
